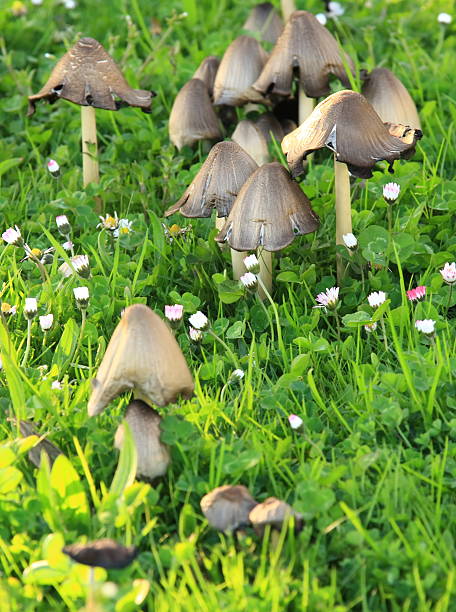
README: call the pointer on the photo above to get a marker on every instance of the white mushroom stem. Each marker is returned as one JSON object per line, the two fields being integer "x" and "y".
{"x": 265, "y": 273}
{"x": 306, "y": 106}
{"x": 288, "y": 7}
{"x": 237, "y": 261}
{"x": 90, "y": 173}
{"x": 343, "y": 208}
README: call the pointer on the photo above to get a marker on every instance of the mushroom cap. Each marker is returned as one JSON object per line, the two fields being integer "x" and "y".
{"x": 263, "y": 18}
{"x": 254, "y": 136}
{"x": 307, "y": 45}
{"x": 206, "y": 72}
{"x": 346, "y": 123}
{"x": 390, "y": 99}
{"x": 142, "y": 355}
{"x": 270, "y": 210}
{"x": 102, "y": 553}
{"x": 192, "y": 117}
{"x": 273, "y": 512}
{"x": 241, "y": 65}
{"x": 227, "y": 508}
{"x": 87, "y": 75}
{"x": 217, "y": 183}
{"x": 153, "y": 455}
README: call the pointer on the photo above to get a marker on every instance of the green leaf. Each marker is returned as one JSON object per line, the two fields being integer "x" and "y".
{"x": 380, "y": 311}
{"x": 236, "y": 330}
{"x": 66, "y": 346}
{"x": 10, "y": 477}
{"x": 355, "y": 319}
{"x": 288, "y": 276}
{"x": 230, "y": 291}
{"x": 66, "y": 483}
{"x": 10, "y": 163}
{"x": 126, "y": 468}
{"x": 41, "y": 572}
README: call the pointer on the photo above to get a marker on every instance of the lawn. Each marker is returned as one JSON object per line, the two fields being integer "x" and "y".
{"x": 347, "y": 412}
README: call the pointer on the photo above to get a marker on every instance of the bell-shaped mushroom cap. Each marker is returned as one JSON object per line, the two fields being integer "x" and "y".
{"x": 206, "y": 72}
{"x": 390, "y": 99}
{"x": 102, "y": 553}
{"x": 347, "y": 124}
{"x": 192, "y": 117}
{"x": 87, "y": 75}
{"x": 27, "y": 428}
{"x": 254, "y": 136}
{"x": 273, "y": 512}
{"x": 142, "y": 355}
{"x": 264, "y": 19}
{"x": 153, "y": 455}
{"x": 227, "y": 508}
{"x": 307, "y": 45}
{"x": 241, "y": 65}
{"x": 217, "y": 183}
{"x": 270, "y": 210}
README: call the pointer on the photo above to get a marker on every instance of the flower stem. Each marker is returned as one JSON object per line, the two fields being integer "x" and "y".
{"x": 385, "y": 339}
{"x": 449, "y": 299}
{"x": 225, "y": 346}
{"x": 279, "y": 329}
{"x": 81, "y": 333}
{"x": 27, "y": 347}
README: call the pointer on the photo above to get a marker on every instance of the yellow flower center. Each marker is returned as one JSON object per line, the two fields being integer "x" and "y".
{"x": 36, "y": 252}
{"x": 5, "y": 307}
{"x": 174, "y": 229}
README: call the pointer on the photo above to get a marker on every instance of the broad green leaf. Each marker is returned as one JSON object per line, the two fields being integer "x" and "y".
{"x": 65, "y": 481}
{"x": 41, "y": 572}
{"x": 66, "y": 346}
{"x": 10, "y": 477}
{"x": 355, "y": 319}
{"x": 10, "y": 163}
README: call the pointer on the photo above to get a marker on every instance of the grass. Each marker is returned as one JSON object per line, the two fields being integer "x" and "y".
{"x": 373, "y": 467}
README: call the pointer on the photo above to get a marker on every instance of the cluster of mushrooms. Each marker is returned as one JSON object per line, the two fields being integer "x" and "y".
{"x": 259, "y": 204}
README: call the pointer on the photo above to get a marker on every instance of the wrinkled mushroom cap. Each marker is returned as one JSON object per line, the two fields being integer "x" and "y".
{"x": 227, "y": 508}
{"x": 308, "y": 46}
{"x": 143, "y": 356}
{"x": 87, "y": 75}
{"x": 217, "y": 183}
{"x": 270, "y": 210}
{"x": 102, "y": 553}
{"x": 153, "y": 455}
{"x": 264, "y": 19}
{"x": 346, "y": 123}
{"x": 192, "y": 117}
{"x": 273, "y": 512}
{"x": 390, "y": 99}
{"x": 241, "y": 65}
{"x": 206, "y": 72}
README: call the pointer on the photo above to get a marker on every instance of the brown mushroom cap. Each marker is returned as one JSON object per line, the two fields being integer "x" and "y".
{"x": 217, "y": 183}
{"x": 102, "y": 553}
{"x": 227, "y": 508}
{"x": 270, "y": 210}
{"x": 206, "y": 72}
{"x": 192, "y": 117}
{"x": 346, "y": 123}
{"x": 307, "y": 45}
{"x": 273, "y": 512}
{"x": 153, "y": 455}
{"x": 254, "y": 136}
{"x": 87, "y": 75}
{"x": 241, "y": 65}
{"x": 390, "y": 99}
{"x": 142, "y": 355}
{"x": 264, "y": 19}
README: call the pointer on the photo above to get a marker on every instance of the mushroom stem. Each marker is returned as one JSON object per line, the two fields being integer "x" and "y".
{"x": 306, "y": 105}
{"x": 90, "y": 173}
{"x": 343, "y": 209}
{"x": 237, "y": 261}
{"x": 288, "y": 7}
{"x": 265, "y": 273}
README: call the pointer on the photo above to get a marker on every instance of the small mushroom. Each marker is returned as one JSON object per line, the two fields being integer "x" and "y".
{"x": 153, "y": 455}
{"x": 240, "y": 67}
{"x": 390, "y": 99}
{"x": 87, "y": 75}
{"x": 206, "y": 72}
{"x": 102, "y": 553}
{"x": 142, "y": 356}
{"x": 307, "y": 46}
{"x": 227, "y": 508}
{"x": 273, "y": 512}
{"x": 270, "y": 210}
{"x": 192, "y": 117}
{"x": 264, "y": 19}
{"x": 254, "y": 136}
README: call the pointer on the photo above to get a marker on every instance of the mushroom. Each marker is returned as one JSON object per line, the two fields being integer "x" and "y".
{"x": 142, "y": 356}
{"x": 227, "y": 508}
{"x": 254, "y": 136}
{"x": 264, "y": 20}
{"x": 346, "y": 123}
{"x": 241, "y": 65}
{"x": 192, "y": 117}
{"x": 105, "y": 553}
{"x": 206, "y": 72}
{"x": 153, "y": 455}
{"x": 308, "y": 46}
{"x": 87, "y": 75}
{"x": 273, "y": 512}
{"x": 390, "y": 99}
{"x": 270, "y": 210}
